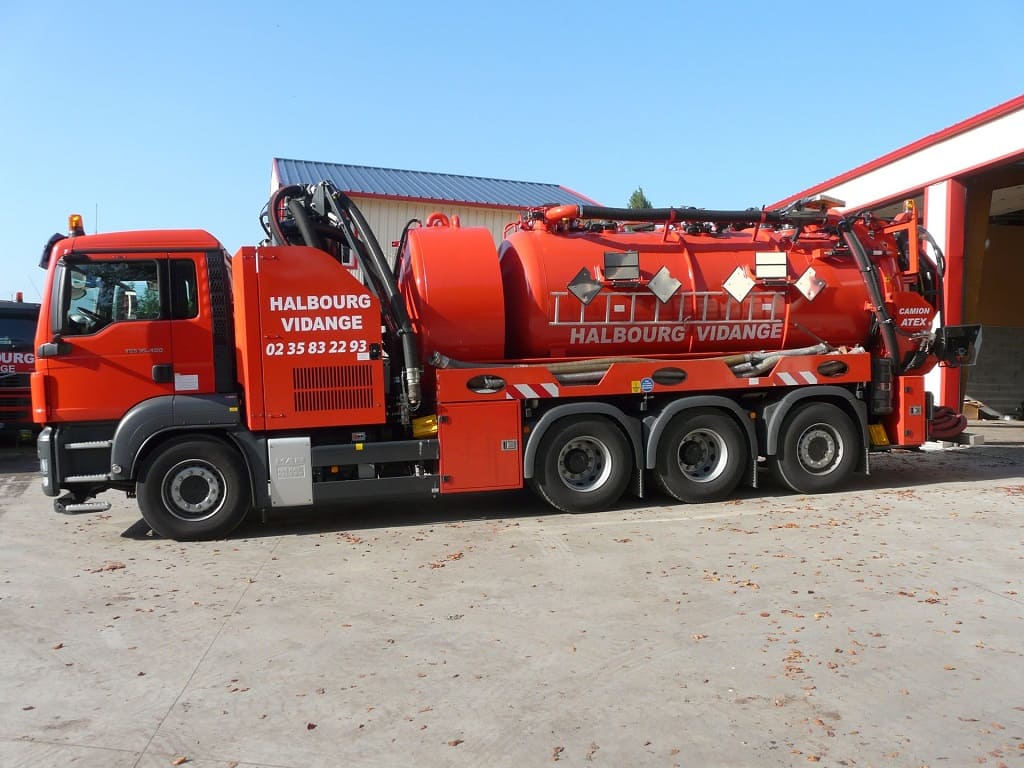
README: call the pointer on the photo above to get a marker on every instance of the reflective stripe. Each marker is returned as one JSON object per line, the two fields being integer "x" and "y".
{"x": 526, "y": 390}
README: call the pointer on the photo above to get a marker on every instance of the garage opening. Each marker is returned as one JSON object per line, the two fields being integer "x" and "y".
{"x": 994, "y": 287}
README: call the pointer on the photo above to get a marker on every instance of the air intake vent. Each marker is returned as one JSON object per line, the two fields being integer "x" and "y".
{"x": 333, "y": 388}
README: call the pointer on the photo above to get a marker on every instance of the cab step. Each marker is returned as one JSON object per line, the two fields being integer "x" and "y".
{"x": 69, "y": 506}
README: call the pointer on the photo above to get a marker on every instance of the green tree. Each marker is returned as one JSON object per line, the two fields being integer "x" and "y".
{"x": 639, "y": 200}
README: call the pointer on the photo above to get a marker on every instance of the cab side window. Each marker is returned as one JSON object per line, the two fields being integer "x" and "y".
{"x": 184, "y": 301}
{"x": 105, "y": 292}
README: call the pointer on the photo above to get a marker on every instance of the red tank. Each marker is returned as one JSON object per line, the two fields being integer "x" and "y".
{"x": 573, "y": 292}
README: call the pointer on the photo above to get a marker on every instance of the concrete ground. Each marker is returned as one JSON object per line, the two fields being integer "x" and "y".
{"x": 881, "y": 626}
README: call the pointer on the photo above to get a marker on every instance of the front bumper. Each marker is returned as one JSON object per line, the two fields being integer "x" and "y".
{"x": 46, "y": 450}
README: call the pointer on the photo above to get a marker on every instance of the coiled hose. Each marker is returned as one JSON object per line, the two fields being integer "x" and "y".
{"x": 946, "y": 424}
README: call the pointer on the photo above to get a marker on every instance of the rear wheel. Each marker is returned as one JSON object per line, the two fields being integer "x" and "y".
{"x": 817, "y": 449}
{"x": 701, "y": 456}
{"x": 583, "y": 465}
{"x": 195, "y": 488}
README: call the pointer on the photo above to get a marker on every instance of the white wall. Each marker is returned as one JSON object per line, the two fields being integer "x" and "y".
{"x": 388, "y": 217}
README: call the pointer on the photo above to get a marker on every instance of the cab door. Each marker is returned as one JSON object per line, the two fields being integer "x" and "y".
{"x": 110, "y": 316}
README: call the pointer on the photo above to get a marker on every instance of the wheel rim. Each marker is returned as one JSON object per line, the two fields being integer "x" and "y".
{"x": 820, "y": 449}
{"x": 584, "y": 463}
{"x": 194, "y": 491}
{"x": 702, "y": 455}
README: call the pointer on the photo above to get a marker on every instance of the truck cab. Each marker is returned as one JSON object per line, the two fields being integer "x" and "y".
{"x": 127, "y": 337}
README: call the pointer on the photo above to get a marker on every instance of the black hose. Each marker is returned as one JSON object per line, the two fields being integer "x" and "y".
{"x": 401, "y": 245}
{"x": 870, "y": 276}
{"x": 940, "y": 273}
{"x": 298, "y": 212}
{"x": 352, "y": 229}
{"x": 277, "y": 235}
{"x": 378, "y": 264}
{"x": 750, "y": 216}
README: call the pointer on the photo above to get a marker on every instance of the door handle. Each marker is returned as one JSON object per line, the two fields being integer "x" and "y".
{"x": 163, "y": 373}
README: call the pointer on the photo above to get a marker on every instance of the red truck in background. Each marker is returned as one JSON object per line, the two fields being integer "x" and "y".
{"x": 595, "y": 350}
{"x": 18, "y": 320}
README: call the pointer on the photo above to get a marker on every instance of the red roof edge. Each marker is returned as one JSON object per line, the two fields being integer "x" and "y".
{"x": 590, "y": 200}
{"x": 946, "y": 133}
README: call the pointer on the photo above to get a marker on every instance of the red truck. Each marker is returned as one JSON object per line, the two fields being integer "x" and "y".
{"x": 594, "y": 350}
{"x": 18, "y": 320}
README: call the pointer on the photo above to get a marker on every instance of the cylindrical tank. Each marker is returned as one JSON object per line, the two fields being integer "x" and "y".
{"x": 451, "y": 283}
{"x": 583, "y": 293}
{"x": 545, "y": 317}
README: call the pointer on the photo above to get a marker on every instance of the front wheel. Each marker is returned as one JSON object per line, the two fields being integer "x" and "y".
{"x": 195, "y": 488}
{"x": 818, "y": 449}
{"x": 583, "y": 465}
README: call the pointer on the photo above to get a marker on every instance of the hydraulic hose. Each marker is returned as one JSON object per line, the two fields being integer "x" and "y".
{"x": 940, "y": 272}
{"x": 352, "y": 228}
{"x": 277, "y": 236}
{"x": 869, "y": 273}
{"x": 298, "y": 212}
{"x": 401, "y": 245}
{"x": 378, "y": 263}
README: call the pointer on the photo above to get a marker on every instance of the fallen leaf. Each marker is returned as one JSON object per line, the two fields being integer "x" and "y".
{"x": 455, "y": 742}
{"x": 26, "y": 709}
{"x": 949, "y": 667}
{"x": 592, "y": 750}
{"x": 556, "y": 753}
{"x": 58, "y": 646}
{"x": 698, "y": 636}
{"x": 310, "y": 726}
{"x": 110, "y": 565}
{"x": 179, "y": 760}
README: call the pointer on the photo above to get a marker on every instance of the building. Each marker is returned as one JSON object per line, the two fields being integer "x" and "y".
{"x": 389, "y": 198}
{"x": 968, "y": 180}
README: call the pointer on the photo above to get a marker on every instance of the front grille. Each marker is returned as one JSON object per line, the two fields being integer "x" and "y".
{"x": 333, "y": 388}
{"x": 14, "y": 381}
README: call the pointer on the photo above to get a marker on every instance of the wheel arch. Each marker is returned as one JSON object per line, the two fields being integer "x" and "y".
{"x": 161, "y": 418}
{"x": 150, "y": 425}
{"x": 774, "y": 415}
{"x": 655, "y": 425}
{"x": 629, "y": 425}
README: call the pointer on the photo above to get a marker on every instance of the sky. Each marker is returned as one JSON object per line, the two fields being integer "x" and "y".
{"x": 167, "y": 115}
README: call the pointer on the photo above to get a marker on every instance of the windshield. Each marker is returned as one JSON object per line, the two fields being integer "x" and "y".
{"x": 17, "y": 332}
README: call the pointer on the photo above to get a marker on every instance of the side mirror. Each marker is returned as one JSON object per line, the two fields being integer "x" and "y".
{"x": 958, "y": 345}
{"x": 53, "y": 349}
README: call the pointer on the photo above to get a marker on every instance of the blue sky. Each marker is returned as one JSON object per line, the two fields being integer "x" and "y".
{"x": 168, "y": 115}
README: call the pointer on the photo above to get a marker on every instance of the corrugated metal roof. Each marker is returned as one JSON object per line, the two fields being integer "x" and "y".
{"x": 422, "y": 185}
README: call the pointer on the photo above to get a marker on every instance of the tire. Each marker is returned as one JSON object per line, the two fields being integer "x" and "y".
{"x": 701, "y": 456}
{"x": 583, "y": 465}
{"x": 193, "y": 489}
{"x": 817, "y": 450}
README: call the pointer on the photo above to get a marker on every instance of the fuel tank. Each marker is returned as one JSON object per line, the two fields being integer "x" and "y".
{"x": 603, "y": 292}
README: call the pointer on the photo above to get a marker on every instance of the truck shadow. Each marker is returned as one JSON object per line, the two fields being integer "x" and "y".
{"x": 17, "y": 454}
{"x": 889, "y": 471}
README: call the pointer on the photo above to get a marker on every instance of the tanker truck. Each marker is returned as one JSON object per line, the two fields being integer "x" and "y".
{"x": 18, "y": 319}
{"x": 595, "y": 350}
